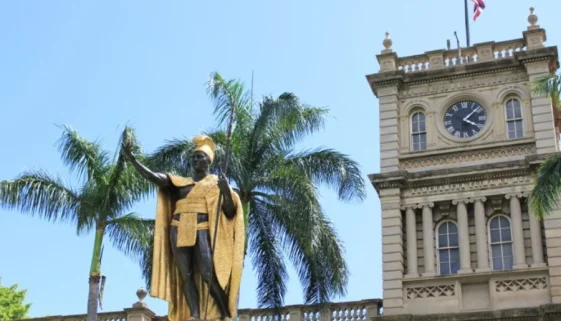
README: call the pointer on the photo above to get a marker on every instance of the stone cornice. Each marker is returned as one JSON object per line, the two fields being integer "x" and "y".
{"x": 523, "y": 148}
{"x": 465, "y": 178}
{"x": 516, "y": 62}
{"x": 520, "y": 170}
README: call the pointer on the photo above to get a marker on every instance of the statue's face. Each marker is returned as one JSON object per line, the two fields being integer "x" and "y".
{"x": 200, "y": 161}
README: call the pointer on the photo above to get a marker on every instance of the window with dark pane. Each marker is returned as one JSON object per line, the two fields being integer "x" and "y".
{"x": 418, "y": 131}
{"x": 500, "y": 237}
{"x": 514, "y": 118}
{"x": 448, "y": 250}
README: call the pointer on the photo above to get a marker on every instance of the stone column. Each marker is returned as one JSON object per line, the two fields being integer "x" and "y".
{"x": 389, "y": 112}
{"x": 428, "y": 239}
{"x": 411, "y": 227}
{"x": 463, "y": 236}
{"x": 392, "y": 250}
{"x": 517, "y": 232}
{"x": 481, "y": 235}
{"x": 536, "y": 235}
{"x": 542, "y": 115}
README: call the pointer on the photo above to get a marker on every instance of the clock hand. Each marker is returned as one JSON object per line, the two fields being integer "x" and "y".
{"x": 468, "y": 116}
{"x": 470, "y": 122}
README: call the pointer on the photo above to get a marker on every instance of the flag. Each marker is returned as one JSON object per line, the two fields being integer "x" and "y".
{"x": 478, "y": 7}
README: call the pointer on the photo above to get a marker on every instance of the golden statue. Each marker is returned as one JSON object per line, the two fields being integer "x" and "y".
{"x": 187, "y": 263}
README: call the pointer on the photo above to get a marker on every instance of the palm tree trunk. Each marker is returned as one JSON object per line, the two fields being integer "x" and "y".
{"x": 95, "y": 275}
{"x": 245, "y": 206}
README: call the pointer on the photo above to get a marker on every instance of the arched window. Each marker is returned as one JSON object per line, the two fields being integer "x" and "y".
{"x": 418, "y": 131}
{"x": 500, "y": 241}
{"x": 514, "y": 118}
{"x": 448, "y": 250}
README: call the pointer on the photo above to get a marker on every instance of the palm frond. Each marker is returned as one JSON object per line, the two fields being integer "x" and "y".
{"x": 336, "y": 170}
{"x": 42, "y": 194}
{"x": 547, "y": 188}
{"x": 91, "y": 210}
{"x": 266, "y": 259}
{"x": 131, "y": 235}
{"x": 145, "y": 263}
{"x": 286, "y": 182}
{"x": 125, "y": 186}
{"x": 128, "y": 137}
{"x": 549, "y": 86}
{"x": 311, "y": 243}
{"x": 85, "y": 157}
{"x": 228, "y": 95}
{"x": 173, "y": 156}
{"x": 284, "y": 120}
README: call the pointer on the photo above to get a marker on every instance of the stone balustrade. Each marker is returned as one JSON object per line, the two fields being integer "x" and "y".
{"x": 452, "y": 58}
{"x": 103, "y": 316}
{"x": 341, "y": 311}
{"x": 533, "y": 38}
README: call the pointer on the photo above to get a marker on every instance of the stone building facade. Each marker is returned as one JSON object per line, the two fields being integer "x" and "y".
{"x": 461, "y": 136}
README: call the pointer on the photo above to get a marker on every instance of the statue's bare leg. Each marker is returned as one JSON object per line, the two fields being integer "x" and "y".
{"x": 185, "y": 260}
{"x": 203, "y": 254}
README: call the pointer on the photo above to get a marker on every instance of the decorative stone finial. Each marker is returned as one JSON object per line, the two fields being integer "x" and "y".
{"x": 387, "y": 43}
{"x": 533, "y": 19}
{"x": 141, "y": 294}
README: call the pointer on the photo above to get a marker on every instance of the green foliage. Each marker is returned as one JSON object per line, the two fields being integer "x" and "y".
{"x": 549, "y": 86}
{"x": 12, "y": 305}
{"x": 278, "y": 188}
{"x": 547, "y": 188}
{"x": 108, "y": 190}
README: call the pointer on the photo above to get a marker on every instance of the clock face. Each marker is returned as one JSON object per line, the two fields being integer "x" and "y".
{"x": 465, "y": 119}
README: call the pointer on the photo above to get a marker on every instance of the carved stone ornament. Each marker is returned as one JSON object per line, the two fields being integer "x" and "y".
{"x": 447, "y": 86}
{"x": 444, "y": 208}
{"x": 468, "y": 156}
{"x": 425, "y": 292}
{"x": 497, "y": 203}
{"x": 469, "y": 186}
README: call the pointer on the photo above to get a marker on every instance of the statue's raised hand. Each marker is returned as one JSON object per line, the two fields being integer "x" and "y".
{"x": 126, "y": 148}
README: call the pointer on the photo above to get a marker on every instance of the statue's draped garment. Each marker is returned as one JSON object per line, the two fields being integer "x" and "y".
{"x": 228, "y": 252}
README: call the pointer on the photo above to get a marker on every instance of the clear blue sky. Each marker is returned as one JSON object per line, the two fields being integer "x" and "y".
{"x": 97, "y": 65}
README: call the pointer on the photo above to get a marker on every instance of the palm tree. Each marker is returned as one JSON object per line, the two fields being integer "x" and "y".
{"x": 101, "y": 204}
{"x": 278, "y": 189}
{"x": 548, "y": 179}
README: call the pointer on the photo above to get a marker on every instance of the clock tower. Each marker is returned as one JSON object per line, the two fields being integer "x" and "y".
{"x": 461, "y": 136}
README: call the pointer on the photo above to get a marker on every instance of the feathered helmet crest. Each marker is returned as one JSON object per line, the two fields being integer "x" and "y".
{"x": 204, "y": 144}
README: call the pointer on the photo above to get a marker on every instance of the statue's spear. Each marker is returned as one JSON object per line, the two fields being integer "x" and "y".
{"x": 223, "y": 170}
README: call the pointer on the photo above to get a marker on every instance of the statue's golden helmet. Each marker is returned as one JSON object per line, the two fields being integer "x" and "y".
{"x": 205, "y": 144}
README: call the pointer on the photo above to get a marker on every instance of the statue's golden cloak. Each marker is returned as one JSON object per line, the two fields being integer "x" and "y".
{"x": 228, "y": 251}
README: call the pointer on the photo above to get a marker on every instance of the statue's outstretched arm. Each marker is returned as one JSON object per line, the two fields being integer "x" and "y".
{"x": 159, "y": 179}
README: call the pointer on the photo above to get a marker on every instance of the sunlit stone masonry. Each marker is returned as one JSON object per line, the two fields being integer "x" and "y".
{"x": 461, "y": 136}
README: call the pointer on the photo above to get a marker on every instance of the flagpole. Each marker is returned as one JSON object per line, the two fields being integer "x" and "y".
{"x": 467, "y": 22}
